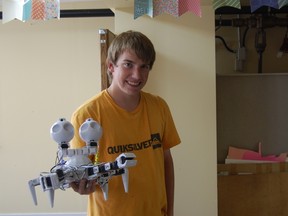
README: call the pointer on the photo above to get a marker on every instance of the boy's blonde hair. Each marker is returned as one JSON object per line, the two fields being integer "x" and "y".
{"x": 131, "y": 40}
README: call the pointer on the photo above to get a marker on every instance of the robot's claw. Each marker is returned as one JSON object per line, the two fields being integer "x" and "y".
{"x": 125, "y": 160}
{"x": 32, "y": 184}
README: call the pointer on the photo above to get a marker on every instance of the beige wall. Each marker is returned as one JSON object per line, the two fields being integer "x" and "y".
{"x": 41, "y": 82}
{"x": 47, "y": 70}
{"x": 184, "y": 74}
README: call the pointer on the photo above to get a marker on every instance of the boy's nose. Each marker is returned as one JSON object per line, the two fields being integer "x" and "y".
{"x": 136, "y": 72}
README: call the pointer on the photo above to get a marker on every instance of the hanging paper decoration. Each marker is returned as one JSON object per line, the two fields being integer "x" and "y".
{"x": 256, "y": 4}
{"x": 142, "y": 7}
{"x": 282, "y": 3}
{"x": 52, "y": 9}
{"x": 11, "y": 10}
{"x": 38, "y": 9}
{"x": 162, "y": 6}
{"x": 27, "y": 7}
{"x": 173, "y": 7}
{"x": 190, "y": 5}
{"x": 25, "y": 10}
{"x": 231, "y": 3}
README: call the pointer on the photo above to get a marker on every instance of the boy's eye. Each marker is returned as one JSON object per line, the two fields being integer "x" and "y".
{"x": 146, "y": 67}
{"x": 128, "y": 65}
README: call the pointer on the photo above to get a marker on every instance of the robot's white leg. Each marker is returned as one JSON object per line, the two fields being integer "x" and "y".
{"x": 125, "y": 179}
{"x": 50, "y": 194}
{"x": 104, "y": 188}
{"x": 32, "y": 184}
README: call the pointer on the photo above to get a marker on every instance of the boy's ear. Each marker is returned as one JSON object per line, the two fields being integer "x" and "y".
{"x": 110, "y": 66}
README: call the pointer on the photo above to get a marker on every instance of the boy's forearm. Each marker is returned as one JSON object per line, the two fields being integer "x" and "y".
{"x": 169, "y": 179}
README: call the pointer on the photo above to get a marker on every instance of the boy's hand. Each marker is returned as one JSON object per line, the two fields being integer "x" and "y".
{"x": 84, "y": 187}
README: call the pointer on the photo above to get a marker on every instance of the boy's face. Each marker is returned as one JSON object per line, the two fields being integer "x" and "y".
{"x": 130, "y": 73}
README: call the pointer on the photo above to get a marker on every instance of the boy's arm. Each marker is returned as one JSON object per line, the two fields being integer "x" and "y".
{"x": 169, "y": 179}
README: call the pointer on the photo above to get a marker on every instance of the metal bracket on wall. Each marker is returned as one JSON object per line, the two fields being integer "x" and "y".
{"x": 247, "y": 10}
{"x": 268, "y": 17}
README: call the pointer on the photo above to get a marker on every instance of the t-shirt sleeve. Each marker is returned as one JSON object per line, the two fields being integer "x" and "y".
{"x": 170, "y": 136}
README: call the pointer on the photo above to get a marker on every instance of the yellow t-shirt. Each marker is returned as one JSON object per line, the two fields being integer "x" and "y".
{"x": 146, "y": 131}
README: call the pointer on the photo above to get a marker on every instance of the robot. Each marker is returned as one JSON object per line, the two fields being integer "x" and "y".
{"x": 72, "y": 165}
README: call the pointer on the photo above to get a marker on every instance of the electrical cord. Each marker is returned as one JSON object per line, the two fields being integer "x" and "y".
{"x": 244, "y": 36}
{"x": 225, "y": 44}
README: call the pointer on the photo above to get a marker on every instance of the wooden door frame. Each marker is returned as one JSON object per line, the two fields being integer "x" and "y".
{"x": 106, "y": 37}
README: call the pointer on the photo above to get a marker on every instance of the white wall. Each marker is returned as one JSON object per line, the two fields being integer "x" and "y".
{"x": 47, "y": 70}
{"x": 184, "y": 74}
